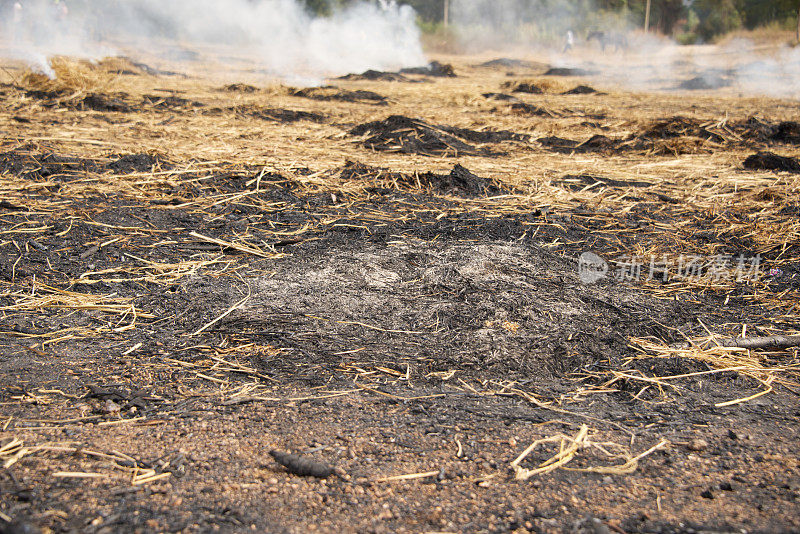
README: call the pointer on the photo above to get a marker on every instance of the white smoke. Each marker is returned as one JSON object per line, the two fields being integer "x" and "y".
{"x": 279, "y": 35}
{"x": 649, "y": 61}
{"x": 766, "y": 72}
{"x": 526, "y": 23}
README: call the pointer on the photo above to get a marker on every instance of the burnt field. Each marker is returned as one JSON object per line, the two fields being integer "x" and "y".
{"x": 387, "y": 276}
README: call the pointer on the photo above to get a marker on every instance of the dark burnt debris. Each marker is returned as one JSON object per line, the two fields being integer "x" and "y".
{"x": 708, "y": 80}
{"x": 769, "y": 161}
{"x": 31, "y": 164}
{"x": 92, "y": 101}
{"x": 675, "y": 127}
{"x": 302, "y": 465}
{"x": 239, "y": 88}
{"x": 524, "y": 108}
{"x": 8, "y": 206}
{"x": 328, "y": 93}
{"x": 415, "y": 136}
{"x": 287, "y": 115}
{"x": 501, "y": 97}
{"x": 787, "y": 132}
{"x": 108, "y": 102}
{"x": 124, "y": 397}
{"x": 674, "y": 135}
{"x": 138, "y": 163}
{"x": 125, "y": 66}
{"x": 434, "y": 68}
{"x": 523, "y": 87}
{"x": 377, "y": 76}
{"x": 170, "y": 102}
{"x": 581, "y": 90}
{"x": 508, "y": 63}
{"x": 19, "y": 526}
{"x": 99, "y": 102}
{"x": 596, "y": 143}
{"x": 569, "y": 71}
{"x": 486, "y": 136}
{"x": 281, "y": 115}
{"x": 152, "y": 71}
{"x": 743, "y": 133}
{"x": 459, "y": 182}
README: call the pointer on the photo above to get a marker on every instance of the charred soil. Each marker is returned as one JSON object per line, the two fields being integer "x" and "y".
{"x": 285, "y": 310}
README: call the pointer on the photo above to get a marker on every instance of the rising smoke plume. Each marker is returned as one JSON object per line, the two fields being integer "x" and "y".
{"x": 280, "y": 35}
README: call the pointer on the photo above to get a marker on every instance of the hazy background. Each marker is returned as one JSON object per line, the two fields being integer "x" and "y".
{"x": 285, "y": 37}
{"x": 747, "y": 46}
{"x": 307, "y": 40}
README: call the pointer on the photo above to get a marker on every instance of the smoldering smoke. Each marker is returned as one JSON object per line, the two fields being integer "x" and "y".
{"x": 502, "y": 23}
{"x": 650, "y": 62}
{"x": 280, "y": 35}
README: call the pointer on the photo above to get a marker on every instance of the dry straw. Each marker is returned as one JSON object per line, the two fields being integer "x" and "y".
{"x": 15, "y": 450}
{"x": 570, "y": 447}
{"x": 682, "y": 193}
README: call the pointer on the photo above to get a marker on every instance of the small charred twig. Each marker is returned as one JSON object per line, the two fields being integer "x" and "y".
{"x": 301, "y": 465}
{"x": 764, "y": 342}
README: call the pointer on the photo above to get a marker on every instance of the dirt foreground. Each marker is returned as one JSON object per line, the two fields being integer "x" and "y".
{"x": 388, "y": 277}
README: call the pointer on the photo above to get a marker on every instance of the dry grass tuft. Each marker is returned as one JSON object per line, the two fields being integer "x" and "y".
{"x": 775, "y": 33}
{"x": 766, "y": 367}
{"x": 71, "y": 75}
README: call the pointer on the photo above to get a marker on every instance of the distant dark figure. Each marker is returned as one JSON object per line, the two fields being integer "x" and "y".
{"x": 609, "y": 39}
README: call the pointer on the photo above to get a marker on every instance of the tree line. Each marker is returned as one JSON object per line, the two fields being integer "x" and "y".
{"x": 701, "y": 19}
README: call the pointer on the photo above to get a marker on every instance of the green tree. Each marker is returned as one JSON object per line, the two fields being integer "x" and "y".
{"x": 758, "y": 13}
{"x": 716, "y": 17}
{"x": 667, "y": 14}
{"x": 664, "y": 14}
